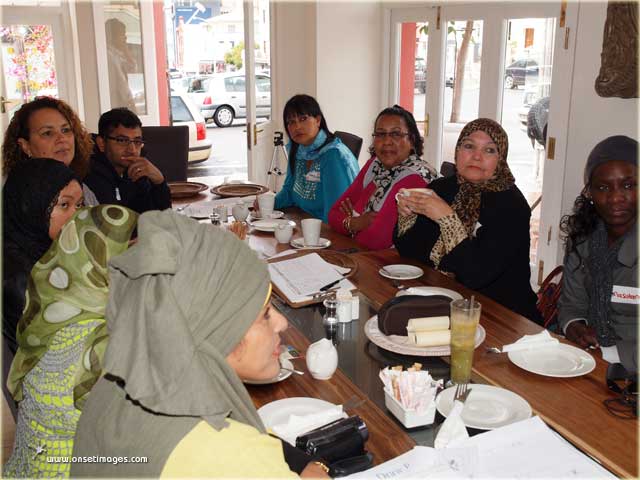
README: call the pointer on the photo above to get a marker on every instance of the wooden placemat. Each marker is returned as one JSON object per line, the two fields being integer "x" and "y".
{"x": 335, "y": 258}
{"x": 186, "y": 189}
{"x": 238, "y": 190}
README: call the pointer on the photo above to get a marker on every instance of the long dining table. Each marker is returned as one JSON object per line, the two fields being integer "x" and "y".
{"x": 571, "y": 406}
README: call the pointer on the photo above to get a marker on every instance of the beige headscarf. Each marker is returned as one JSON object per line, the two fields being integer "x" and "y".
{"x": 466, "y": 203}
{"x": 181, "y": 299}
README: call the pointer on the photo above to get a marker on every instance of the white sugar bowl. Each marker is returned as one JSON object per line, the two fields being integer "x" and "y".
{"x": 322, "y": 359}
{"x": 283, "y": 233}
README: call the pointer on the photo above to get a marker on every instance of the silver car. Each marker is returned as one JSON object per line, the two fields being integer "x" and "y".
{"x": 222, "y": 98}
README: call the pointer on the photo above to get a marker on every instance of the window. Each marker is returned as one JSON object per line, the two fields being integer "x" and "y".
{"x": 263, "y": 84}
{"x": 179, "y": 110}
{"x": 234, "y": 84}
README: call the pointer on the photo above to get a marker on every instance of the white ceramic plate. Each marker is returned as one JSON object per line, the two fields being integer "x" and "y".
{"x": 559, "y": 360}
{"x": 274, "y": 214}
{"x": 283, "y": 374}
{"x": 428, "y": 291}
{"x": 271, "y": 225}
{"x": 401, "y": 272}
{"x": 279, "y": 411}
{"x": 402, "y": 344}
{"x": 486, "y": 407}
{"x": 299, "y": 243}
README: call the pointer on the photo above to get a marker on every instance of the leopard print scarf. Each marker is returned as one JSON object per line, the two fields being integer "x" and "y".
{"x": 466, "y": 203}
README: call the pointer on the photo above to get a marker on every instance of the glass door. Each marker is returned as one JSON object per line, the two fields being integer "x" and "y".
{"x": 483, "y": 60}
{"x": 31, "y": 58}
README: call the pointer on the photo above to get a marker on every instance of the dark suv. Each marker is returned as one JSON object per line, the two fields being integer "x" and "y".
{"x": 519, "y": 72}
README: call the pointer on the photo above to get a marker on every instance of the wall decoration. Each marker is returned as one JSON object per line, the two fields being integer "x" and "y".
{"x": 619, "y": 58}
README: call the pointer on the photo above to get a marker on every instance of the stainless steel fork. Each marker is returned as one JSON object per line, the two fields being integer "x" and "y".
{"x": 462, "y": 392}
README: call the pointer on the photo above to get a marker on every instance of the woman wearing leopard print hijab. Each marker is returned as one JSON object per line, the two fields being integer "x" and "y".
{"x": 475, "y": 224}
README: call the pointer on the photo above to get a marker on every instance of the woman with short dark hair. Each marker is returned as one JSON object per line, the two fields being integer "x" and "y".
{"x": 367, "y": 210}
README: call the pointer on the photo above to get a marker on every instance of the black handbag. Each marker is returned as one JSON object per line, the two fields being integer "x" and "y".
{"x": 341, "y": 444}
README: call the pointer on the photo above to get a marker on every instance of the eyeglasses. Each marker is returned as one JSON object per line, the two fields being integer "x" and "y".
{"x": 300, "y": 119}
{"x": 125, "y": 141}
{"x": 625, "y": 405}
{"x": 395, "y": 136}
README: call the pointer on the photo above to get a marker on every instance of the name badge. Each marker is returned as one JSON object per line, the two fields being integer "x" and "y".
{"x": 622, "y": 294}
{"x": 313, "y": 176}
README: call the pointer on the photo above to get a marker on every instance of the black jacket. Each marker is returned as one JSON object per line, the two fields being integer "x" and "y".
{"x": 496, "y": 261}
{"x": 110, "y": 187}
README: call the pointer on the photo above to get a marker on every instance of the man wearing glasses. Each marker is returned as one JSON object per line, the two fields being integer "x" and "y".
{"x": 119, "y": 173}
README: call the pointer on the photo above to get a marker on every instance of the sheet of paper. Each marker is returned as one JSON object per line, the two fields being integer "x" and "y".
{"x": 303, "y": 275}
{"x": 523, "y": 450}
{"x": 204, "y": 209}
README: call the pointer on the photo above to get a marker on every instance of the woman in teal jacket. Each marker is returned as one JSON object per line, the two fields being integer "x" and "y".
{"x": 321, "y": 167}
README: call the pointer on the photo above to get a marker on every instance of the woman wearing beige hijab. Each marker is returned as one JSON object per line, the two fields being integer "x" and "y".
{"x": 189, "y": 316}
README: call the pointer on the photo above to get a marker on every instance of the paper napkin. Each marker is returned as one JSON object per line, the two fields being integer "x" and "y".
{"x": 528, "y": 342}
{"x": 453, "y": 429}
{"x": 297, "y": 425}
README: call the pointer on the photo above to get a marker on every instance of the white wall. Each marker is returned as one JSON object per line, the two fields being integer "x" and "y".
{"x": 349, "y": 66}
{"x": 592, "y": 118}
{"x": 331, "y": 51}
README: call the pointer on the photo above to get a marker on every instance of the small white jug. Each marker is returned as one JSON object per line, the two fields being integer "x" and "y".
{"x": 322, "y": 359}
{"x": 240, "y": 212}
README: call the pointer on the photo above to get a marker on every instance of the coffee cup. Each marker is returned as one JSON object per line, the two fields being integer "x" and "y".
{"x": 405, "y": 192}
{"x": 240, "y": 212}
{"x": 311, "y": 231}
{"x": 266, "y": 202}
{"x": 283, "y": 233}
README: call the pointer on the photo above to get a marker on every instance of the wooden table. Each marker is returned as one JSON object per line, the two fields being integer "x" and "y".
{"x": 572, "y": 406}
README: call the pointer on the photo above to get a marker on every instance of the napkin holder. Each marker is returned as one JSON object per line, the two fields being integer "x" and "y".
{"x": 394, "y": 315}
{"x": 340, "y": 444}
{"x": 409, "y": 418}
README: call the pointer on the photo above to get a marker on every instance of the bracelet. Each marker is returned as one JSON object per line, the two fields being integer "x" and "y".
{"x": 322, "y": 466}
{"x": 346, "y": 223}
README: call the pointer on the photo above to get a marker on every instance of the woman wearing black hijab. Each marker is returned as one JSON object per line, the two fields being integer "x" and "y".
{"x": 39, "y": 196}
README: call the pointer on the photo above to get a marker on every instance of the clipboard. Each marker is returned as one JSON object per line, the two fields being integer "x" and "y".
{"x": 335, "y": 258}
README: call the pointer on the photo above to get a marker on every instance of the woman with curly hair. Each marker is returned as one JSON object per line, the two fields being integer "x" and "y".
{"x": 599, "y": 302}
{"x": 48, "y": 128}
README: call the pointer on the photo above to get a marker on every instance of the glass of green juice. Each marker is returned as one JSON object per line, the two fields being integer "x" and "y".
{"x": 465, "y": 315}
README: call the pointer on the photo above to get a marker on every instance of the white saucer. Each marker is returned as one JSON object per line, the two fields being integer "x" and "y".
{"x": 401, "y": 272}
{"x": 299, "y": 243}
{"x": 283, "y": 374}
{"x": 271, "y": 225}
{"x": 486, "y": 407}
{"x": 274, "y": 214}
{"x": 559, "y": 360}
{"x": 279, "y": 411}
{"x": 428, "y": 291}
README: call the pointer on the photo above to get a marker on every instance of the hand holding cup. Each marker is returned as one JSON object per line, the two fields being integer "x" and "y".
{"x": 423, "y": 201}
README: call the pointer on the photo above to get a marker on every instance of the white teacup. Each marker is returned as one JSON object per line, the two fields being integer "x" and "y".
{"x": 322, "y": 359}
{"x": 405, "y": 192}
{"x": 240, "y": 212}
{"x": 311, "y": 231}
{"x": 283, "y": 233}
{"x": 266, "y": 202}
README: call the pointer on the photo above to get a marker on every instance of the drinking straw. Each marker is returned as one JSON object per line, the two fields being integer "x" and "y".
{"x": 471, "y": 301}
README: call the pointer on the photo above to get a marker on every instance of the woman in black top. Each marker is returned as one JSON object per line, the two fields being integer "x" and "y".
{"x": 474, "y": 225}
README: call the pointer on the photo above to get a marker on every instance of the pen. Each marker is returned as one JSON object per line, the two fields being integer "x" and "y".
{"x": 327, "y": 287}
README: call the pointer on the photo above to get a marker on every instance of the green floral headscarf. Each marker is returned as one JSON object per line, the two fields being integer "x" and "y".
{"x": 70, "y": 283}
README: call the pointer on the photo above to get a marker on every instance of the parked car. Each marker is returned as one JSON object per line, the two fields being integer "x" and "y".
{"x": 519, "y": 72}
{"x": 184, "y": 112}
{"x": 222, "y": 98}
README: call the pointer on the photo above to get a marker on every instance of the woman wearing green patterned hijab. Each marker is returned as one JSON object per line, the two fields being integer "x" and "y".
{"x": 62, "y": 337}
